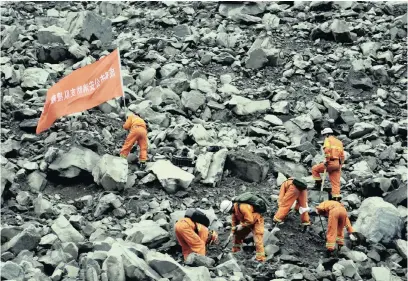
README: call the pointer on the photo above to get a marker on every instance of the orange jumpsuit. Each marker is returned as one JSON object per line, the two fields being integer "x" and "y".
{"x": 338, "y": 219}
{"x": 244, "y": 214}
{"x": 188, "y": 239}
{"x": 334, "y": 154}
{"x": 287, "y": 196}
{"x": 138, "y": 134}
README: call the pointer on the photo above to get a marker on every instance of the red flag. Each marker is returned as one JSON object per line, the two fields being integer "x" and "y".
{"x": 83, "y": 89}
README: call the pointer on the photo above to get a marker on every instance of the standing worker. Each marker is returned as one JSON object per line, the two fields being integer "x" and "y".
{"x": 338, "y": 219}
{"x": 137, "y": 134}
{"x": 193, "y": 236}
{"x": 245, "y": 220}
{"x": 290, "y": 191}
{"x": 334, "y": 159}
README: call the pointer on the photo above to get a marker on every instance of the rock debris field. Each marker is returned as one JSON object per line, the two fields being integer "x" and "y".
{"x": 247, "y": 87}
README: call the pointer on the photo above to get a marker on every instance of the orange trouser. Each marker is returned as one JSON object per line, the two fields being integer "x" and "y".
{"x": 335, "y": 228}
{"x": 291, "y": 195}
{"x": 190, "y": 241}
{"x": 258, "y": 232}
{"x": 137, "y": 135}
{"x": 334, "y": 171}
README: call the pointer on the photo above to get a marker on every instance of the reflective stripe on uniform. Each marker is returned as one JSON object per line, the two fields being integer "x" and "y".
{"x": 317, "y": 178}
{"x": 305, "y": 223}
{"x": 276, "y": 219}
{"x": 336, "y": 195}
{"x": 330, "y": 245}
{"x": 262, "y": 254}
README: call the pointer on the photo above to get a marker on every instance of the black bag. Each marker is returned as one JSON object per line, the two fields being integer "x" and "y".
{"x": 258, "y": 202}
{"x": 199, "y": 217}
{"x": 299, "y": 184}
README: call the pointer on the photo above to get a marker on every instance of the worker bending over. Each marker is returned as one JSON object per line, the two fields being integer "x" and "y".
{"x": 137, "y": 134}
{"x": 245, "y": 220}
{"x": 338, "y": 219}
{"x": 290, "y": 191}
{"x": 334, "y": 159}
{"x": 192, "y": 236}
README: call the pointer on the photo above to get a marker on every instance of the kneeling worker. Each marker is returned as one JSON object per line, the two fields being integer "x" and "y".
{"x": 192, "y": 235}
{"x": 245, "y": 220}
{"x": 290, "y": 191}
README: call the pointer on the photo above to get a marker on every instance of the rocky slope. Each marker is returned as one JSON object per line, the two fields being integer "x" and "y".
{"x": 247, "y": 88}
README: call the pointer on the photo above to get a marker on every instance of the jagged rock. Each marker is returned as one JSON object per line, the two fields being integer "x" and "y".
{"x": 113, "y": 267}
{"x": 146, "y": 77}
{"x": 192, "y": 100}
{"x": 11, "y": 36}
{"x": 28, "y": 239}
{"x": 383, "y": 274}
{"x": 171, "y": 177}
{"x": 398, "y": 196}
{"x": 259, "y": 58}
{"x": 36, "y": 181}
{"x": 65, "y": 231}
{"x": 341, "y": 31}
{"x": 86, "y": 24}
{"x": 370, "y": 48}
{"x": 288, "y": 168}
{"x": 216, "y": 167}
{"x": 10, "y": 147}
{"x": 34, "y": 77}
{"x": 229, "y": 267}
{"x": 111, "y": 172}
{"x": 202, "y": 85}
{"x": 163, "y": 96}
{"x": 11, "y": 271}
{"x": 165, "y": 265}
{"x": 360, "y": 80}
{"x": 42, "y": 206}
{"x": 272, "y": 119}
{"x": 195, "y": 259}
{"x": 304, "y": 122}
{"x": 107, "y": 201}
{"x": 244, "y": 106}
{"x": 54, "y": 34}
{"x": 70, "y": 164}
{"x": 153, "y": 234}
{"x": 378, "y": 220}
{"x": 361, "y": 129}
{"x": 247, "y": 166}
{"x": 203, "y": 164}
{"x": 280, "y": 107}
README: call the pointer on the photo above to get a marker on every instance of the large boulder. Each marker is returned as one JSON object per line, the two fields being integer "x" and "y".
{"x": 54, "y": 34}
{"x": 247, "y": 166}
{"x": 165, "y": 265}
{"x": 163, "y": 96}
{"x": 86, "y": 25}
{"x": 78, "y": 159}
{"x": 341, "y": 31}
{"x": 361, "y": 129}
{"x": 151, "y": 232}
{"x": 113, "y": 268}
{"x": 192, "y": 100}
{"x": 332, "y": 106}
{"x": 28, "y": 240}
{"x": 34, "y": 77}
{"x": 398, "y": 196}
{"x": 65, "y": 231}
{"x": 36, "y": 181}
{"x": 378, "y": 221}
{"x": 288, "y": 168}
{"x": 111, "y": 172}
{"x": 245, "y": 106}
{"x": 171, "y": 177}
{"x": 216, "y": 167}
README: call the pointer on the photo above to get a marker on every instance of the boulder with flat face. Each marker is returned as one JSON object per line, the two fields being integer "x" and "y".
{"x": 171, "y": 177}
{"x": 111, "y": 172}
{"x": 247, "y": 166}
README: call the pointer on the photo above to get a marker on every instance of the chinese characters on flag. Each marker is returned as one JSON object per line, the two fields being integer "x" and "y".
{"x": 83, "y": 89}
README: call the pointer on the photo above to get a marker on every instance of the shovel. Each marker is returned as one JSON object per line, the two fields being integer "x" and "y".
{"x": 219, "y": 257}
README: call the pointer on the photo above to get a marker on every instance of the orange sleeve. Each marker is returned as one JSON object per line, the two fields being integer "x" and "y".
{"x": 282, "y": 192}
{"x": 128, "y": 123}
{"x": 246, "y": 211}
{"x": 203, "y": 232}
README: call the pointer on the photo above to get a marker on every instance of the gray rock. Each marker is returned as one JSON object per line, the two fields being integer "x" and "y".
{"x": 398, "y": 196}
{"x": 146, "y": 77}
{"x": 163, "y": 96}
{"x": 170, "y": 176}
{"x": 244, "y": 106}
{"x": 288, "y": 168}
{"x": 281, "y": 107}
{"x": 341, "y": 31}
{"x": 65, "y": 231}
{"x": 229, "y": 267}
{"x": 360, "y": 80}
{"x": 356, "y": 256}
{"x": 370, "y": 48}
{"x": 195, "y": 259}
{"x": 348, "y": 268}
{"x": 165, "y": 265}
{"x": 304, "y": 122}
{"x": 202, "y": 85}
{"x": 107, "y": 201}
{"x": 86, "y": 24}
{"x": 285, "y": 153}
{"x": 260, "y": 57}
{"x": 270, "y": 21}
{"x": 273, "y": 120}
{"x": 378, "y": 220}
{"x": 361, "y": 171}
{"x": 361, "y": 129}
{"x": 11, "y": 36}
{"x": 169, "y": 70}
{"x": 11, "y": 271}
{"x": 78, "y": 51}
{"x": 28, "y": 239}
{"x": 111, "y": 172}
{"x": 54, "y": 34}
{"x": 247, "y": 166}
{"x": 23, "y": 198}
{"x": 10, "y": 146}
{"x": 113, "y": 267}
{"x": 36, "y": 181}
{"x": 177, "y": 85}
{"x": 192, "y": 100}
{"x": 42, "y": 206}
{"x": 383, "y": 274}
{"x": 216, "y": 167}
{"x": 34, "y": 77}
{"x": 70, "y": 164}
{"x": 153, "y": 234}
{"x": 332, "y": 106}
{"x": 200, "y": 273}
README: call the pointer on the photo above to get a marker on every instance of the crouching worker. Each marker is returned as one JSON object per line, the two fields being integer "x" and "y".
{"x": 246, "y": 212}
{"x": 192, "y": 233}
{"x": 292, "y": 190}
{"x": 137, "y": 135}
{"x": 338, "y": 220}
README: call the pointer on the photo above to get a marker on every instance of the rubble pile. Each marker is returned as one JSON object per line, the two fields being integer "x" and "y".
{"x": 247, "y": 88}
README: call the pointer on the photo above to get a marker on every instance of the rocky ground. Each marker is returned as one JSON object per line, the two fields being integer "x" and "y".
{"x": 247, "y": 88}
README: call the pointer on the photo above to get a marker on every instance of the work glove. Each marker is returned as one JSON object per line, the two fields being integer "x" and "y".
{"x": 326, "y": 164}
{"x": 212, "y": 238}
{"x": 239, "y": 227}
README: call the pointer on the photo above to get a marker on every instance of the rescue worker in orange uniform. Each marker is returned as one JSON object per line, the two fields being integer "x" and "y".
{"x": 338, "y": 219}
{"x": 137, "y": 134}
{"x": 288, "y": 194}
{"x": 245, "y": 220}
{"x": 193, "y": 237}
{"x": 334, "y": 159}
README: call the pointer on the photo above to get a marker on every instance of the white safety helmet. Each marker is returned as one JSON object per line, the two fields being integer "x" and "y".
{"x": 327, "y": 131}
{"x": 225, "y": 206}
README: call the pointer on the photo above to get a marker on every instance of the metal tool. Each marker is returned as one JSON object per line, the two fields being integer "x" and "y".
{"x": 219, "y": 257}
{"x": 321, "y": 187}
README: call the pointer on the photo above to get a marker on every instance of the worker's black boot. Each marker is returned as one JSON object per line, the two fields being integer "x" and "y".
{"x": 329, "y": 254}
{"x": 330, "y": 196}
{"x": 318, "y": 184}
{"x": 305, "y": 228}
{"x": 142, "y": 165}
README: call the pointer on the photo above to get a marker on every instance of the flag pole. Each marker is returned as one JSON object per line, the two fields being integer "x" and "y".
{"x": 121, "y": 81}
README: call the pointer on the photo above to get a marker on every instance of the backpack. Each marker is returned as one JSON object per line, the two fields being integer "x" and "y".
{"x": 199, "y": 217}
{"x": 299, "y": 184}
{"x": 259, "y": 203}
